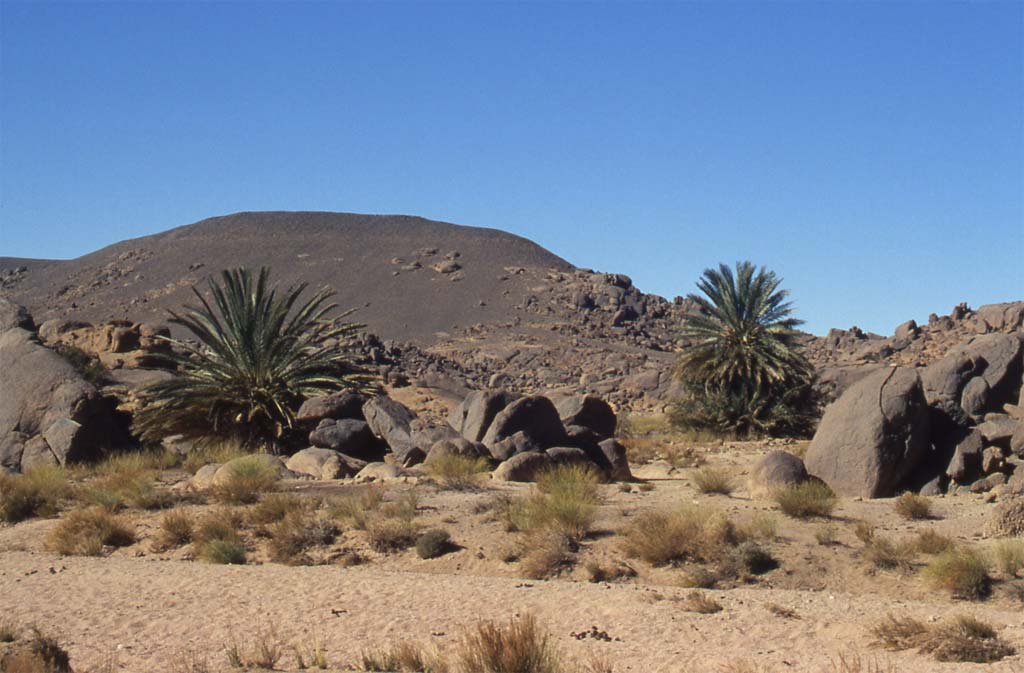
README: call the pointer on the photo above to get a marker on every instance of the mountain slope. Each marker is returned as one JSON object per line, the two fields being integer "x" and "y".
{"x": 410, "y": 278}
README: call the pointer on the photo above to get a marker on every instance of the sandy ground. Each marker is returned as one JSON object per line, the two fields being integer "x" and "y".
{"x": 139, "y": 611}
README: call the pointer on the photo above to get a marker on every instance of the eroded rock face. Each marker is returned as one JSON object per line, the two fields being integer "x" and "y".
{"x": 473, "y": 417}
{"x": 873, "y": 437}
{"x": 976, "y": 377}
{"x": 535, "y": 416}
{"x": 47, "y": 407}
{"x": 347, "y": 436}
{"x": 775, "y": 470}
{"x": 392, "y": 422}
{"x": 522, "y": 467}
{"x": 588, "y": 411}
{"x": 337, "y": 406}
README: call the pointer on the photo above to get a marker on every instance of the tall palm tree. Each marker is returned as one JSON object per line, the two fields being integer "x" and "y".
{"x": 744, "y": 356}
{"x": 259, "y": 354}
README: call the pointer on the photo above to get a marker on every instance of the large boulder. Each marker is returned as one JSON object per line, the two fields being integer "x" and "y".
{"x": 391, "y": 421}
{"x": 348, "y": 436}
{"x": 535, "y": 416}
{"x": 522, "y": 467}
{"x": 965, "y": 465}
{"x": 588, "y": 411}
{"x": 14, "y": 316}
{"x": 952, "y": 384}
{"x": 614, "y": 454}
{"x": 337, "y": 406}
{"x": 473, "y": 416}
{"x": 775, "y": 470}
{"x": 41, "y": 395}
{"x": 324, "y": 464}
{"x": 459, "y": 446}
{"x": 873, "y": 437}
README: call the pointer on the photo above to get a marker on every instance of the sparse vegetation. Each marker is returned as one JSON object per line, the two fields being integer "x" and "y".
{"x": 698, "y": 601}
{"x": 299, "y": 531}
{"x": 40, "y": 653}
{"x": 962, "y": 572}
{"x": 260, "y": 352}
{"x": 216, "y": 539}
{"x": 710, "y": 480}
{"x": 354, "y": 511}
{"x": 458, "y": 473}
{"x": 881, "y": 552}
{"x": 565, "y": 501}
{"x": 222, "y": 552}
{"x": 601, "y": 572}
{"x": 546, "y": 553}
{"x": 1008, "y": 556}
{"x": 214, "y": 451}
{"x": 391, "y": 534}
{"x": 176, "y": 529}
{"x": 433, "y": 543}
{"x": 86, "y": 532}
{"x": 826, "y": 535}
{"x": 37, "y": 492}
{"x": 403, "y": 657}
{"x": 311, "y": 653}
{"x": 248, "y": 478}
{"x": 913, "y": 506}
{"x": 264, "y": 651}
{"x": 88, "y": 365}
{"x": 930, "y": 542}
{"x": 962, "y": 639}
{"x": 688, "y": 534}
{"x": 519, "y": 646}
{"x": 807, "y": 500}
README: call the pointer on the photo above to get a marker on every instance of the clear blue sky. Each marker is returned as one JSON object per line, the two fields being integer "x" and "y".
{"x": 871, "y": 153}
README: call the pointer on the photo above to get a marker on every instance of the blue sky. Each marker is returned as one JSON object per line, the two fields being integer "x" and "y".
{"x": 871, "y": 153}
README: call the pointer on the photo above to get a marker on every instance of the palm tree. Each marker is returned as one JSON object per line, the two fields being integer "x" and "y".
{"x": 743, "y": 370}
{"x": 259, "y": 354}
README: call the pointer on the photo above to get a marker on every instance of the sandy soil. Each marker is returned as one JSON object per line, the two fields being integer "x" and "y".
{"x": 140, "y": 611}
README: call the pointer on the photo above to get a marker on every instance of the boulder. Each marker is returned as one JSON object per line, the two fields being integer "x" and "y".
{"x": 975, "y": 397}
{"x": 615, "y": 455}
{"x": 588, "y": 411}
{"x": 380, "y": 472}
{"x": 988, "y": 483}
{"x": 203, "y": 478}
{"x": 775, "y": 470}
{"x": 535, "y": 416}
{"x": 965, "y": 466}
{"x": 348, "y": 436}
{"x": 424, "y": 434}
{"x": 474, "y": 415}
{"x": 337, "y": 406}
{"x": 1017, "y": 441}
{"x": 225, "y": 471}
{"x": 14, "y": 316}
{"x": 43, "y": 395}
{"x": 517, "y": 443}
{"x": 998, "y": 431}
{"x": 324, "y": 464}
{"x": 569, "y": 455}
{"x": 391, "y": 421}
{"x": 1008, "y": 519}
{"x": 997, "y": 358}
{"x": 457, "y": 447}
{"x": 872, "y": 437}
{"x": 522, "y": 467}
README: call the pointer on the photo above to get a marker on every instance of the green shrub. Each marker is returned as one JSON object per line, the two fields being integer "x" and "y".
{"x": 962, "y": 572}
{"x": 223, "y": 552}
{"x": 176, "y": 529}
{"x": 1008, "y": 556}
{"x": 881, "y": 552}
{"x": 391, "y": 534}
{"x": 247, "y": 480}
{"x": 688, "y": 534}
{"x": 458, "y": 473}
{"x": 433, "y": 543}
{"x": 806, "y": 500}
{"x": 565, "y": 501}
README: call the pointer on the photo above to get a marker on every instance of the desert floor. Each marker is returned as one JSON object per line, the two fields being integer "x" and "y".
{"x": 138, "y": 610}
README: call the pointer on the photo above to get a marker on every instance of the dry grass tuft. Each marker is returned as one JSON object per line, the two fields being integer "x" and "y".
{"x": 962, "y": 639}
{"x": 433, "y": 543}
{"x": 883, "y": 553}
{"x": 600, "y": 572}
{"x": 826, "y": 535}
{"x": 354, "y": 511}
{"x": 698, "y": 577}
{"x": 405, "y": 657}
{"x": 962, "y": 572}
{"x": 713, "y": 480}
{"x": 565, "y": 501}
{"x": 546, "y": 553}
{"x": 520, "y": 646}
{"x": 311, "y": 653}
{"x": 221, "y": 451}
{"x": 41, "y": 653}
{"x": 247, "y": 480}
{"x": 217, "y": 539}
{"x": 1008, "y": 556}
{"x": 913, "y": 506}
{"x": 276, "y": 506}
{"x": 298, "y": 532}
{"x": 687, "y": 534}
{"x": 264, "y": 651}
{"x": 176, "y": 528}
{"x": 930, "y": 542}
{"x": 9, "y": 630}
{"x": 864, "y": 531}
{"x": 391, "y": 534}
{"x": 458, "y": 473}
{"x": 85, "y": 532}
{"x": 38, "y": 492}
{"x": 698, "y": 601}
{"x": 806, "y": 500}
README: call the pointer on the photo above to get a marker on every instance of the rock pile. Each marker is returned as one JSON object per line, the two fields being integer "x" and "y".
{"x": 520, "y": 435}
{"x": 956, "y": 424}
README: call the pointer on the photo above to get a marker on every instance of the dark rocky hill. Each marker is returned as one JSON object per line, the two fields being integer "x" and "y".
{"x": 409, "y": 277}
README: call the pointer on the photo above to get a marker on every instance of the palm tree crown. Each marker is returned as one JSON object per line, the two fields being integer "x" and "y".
{"x": 743, "y": 332}
{"x": 259, "y": 354}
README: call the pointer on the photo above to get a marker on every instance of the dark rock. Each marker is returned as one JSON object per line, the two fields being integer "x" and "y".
{"x": 588, "y": 411}
{"x": 517, "y": 443}
{"x": 775, "y": 470}
{"x": 872, "y": 437}
{"x": 568, "y": 455}
{"x": 998, "y": 431}
{"x": 337, "y": 406}
{"x": 473, "y": 417}
{"x": 14, "y": 316}
{"x": 618, "y": 463}
{"x": 996, "y": 358}
{"x": 522, "y": 467}
{"x": 459, "y": 446}
{"x": 535, "y": 416}
{"x": 347, "y": 436}
{"x": 391, "y": 421}
{"x": 965, "y": 466}
{"x": 324, "y": 464}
